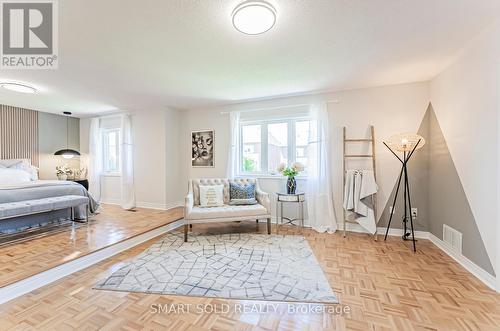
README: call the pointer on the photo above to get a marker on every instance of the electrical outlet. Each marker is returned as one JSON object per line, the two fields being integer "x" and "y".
{"x": 414, "y": 212}
{"x": 392, "y": 210}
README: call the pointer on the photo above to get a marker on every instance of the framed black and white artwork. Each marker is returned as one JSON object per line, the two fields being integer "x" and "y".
{"x": 203, "y": 149}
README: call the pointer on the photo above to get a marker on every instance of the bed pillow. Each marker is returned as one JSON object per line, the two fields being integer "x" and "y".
{"x": 10, "y": 176}
{"x": 21, "y": 164}
{"x": 242, "y": 194}
{"x": 211, "y": 196}
{"x": 34, "y": 173}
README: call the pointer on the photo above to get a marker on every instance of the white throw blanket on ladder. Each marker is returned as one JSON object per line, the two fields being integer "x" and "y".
{"x": 360, "y": 186}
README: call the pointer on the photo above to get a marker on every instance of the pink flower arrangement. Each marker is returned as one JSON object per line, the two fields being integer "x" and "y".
{"x": 292, "y": 171}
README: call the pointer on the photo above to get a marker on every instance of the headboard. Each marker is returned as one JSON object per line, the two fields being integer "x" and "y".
{"x": 19, "y": 134}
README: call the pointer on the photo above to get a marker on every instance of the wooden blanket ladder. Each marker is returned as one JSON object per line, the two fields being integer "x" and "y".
{"x": 371, "y": 155}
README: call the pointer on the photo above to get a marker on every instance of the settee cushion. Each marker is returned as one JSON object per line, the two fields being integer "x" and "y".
{"x": 227, "y": 211}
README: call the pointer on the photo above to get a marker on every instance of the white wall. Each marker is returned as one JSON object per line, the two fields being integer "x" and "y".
{"x": 174, "y": 186}
{"x": 391, "y": 109}
{"x": 155, "y": 134}
{"x": 465, "y": 98}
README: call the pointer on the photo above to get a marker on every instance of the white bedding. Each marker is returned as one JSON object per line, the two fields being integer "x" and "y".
{"x": 20, "y": 164}
{"x": 36, "y": 183}
{"x": 11, "y": 176}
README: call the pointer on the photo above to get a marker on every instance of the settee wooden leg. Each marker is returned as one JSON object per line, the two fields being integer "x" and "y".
{"x": 191, "y": 226}
{"x": 257, "y": 221}
{"x": 268, "y": 226}
{"x": 185, "y": 233}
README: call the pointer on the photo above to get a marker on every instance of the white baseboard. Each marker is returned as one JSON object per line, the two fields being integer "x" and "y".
{"x": 485, "y": 277}
{"x": 29, "y": 284}
{"x": 470, "y": 266}
{"x": 351, "y": 227}
{"x": 274, "y": 220}
{"x": 159, "y": 206}
{"x": 148, "y": 205}
{"x": 306, "y": 222}
{"x": 399, "y": 233}
{"x": 110, "y": 201}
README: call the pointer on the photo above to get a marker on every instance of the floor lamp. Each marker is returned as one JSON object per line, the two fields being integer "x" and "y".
{"x": 407, "y": 144}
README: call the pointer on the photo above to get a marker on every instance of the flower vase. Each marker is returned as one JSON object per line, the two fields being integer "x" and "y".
{"x": 62, "y": 177}
{"x": 291, "y": 185}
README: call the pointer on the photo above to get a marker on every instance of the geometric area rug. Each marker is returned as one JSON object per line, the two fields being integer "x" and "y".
{"x": 231, "y": 266}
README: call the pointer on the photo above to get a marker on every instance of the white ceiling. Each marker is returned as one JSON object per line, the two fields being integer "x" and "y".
{"x": 133, "y": 55}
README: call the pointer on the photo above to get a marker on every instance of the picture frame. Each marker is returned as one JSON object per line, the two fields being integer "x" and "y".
{"x": 203, "y": 149}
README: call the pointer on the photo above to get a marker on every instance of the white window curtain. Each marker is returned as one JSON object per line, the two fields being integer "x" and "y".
{"x": 127, "y": 164}
{"x": 234, "y": 151}
{"x": 320, "y": 208}
{"x": 95, "y": 162}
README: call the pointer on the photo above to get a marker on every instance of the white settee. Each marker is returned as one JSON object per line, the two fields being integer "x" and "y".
{"x": 194, "y": 214}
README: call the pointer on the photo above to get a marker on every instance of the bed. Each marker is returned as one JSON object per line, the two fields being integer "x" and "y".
{"x": 18, "y": 183}
{"x": 40, "y": 189}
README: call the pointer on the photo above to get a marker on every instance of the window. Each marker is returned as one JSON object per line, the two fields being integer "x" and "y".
{"x": 266, "y": 144}
{"x": 111, "y": 150}
{"x": 302, "y": 130}
{"x": 252, "y": 143}
{"x": 277, "y": 145}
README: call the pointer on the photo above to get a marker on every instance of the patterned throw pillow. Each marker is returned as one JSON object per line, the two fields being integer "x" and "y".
{"x": 242, "y": 194}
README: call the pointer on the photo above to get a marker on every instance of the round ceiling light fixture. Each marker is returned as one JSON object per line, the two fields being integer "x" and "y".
{"x": 18, "y": 87}
{"x": 254, "y": 17}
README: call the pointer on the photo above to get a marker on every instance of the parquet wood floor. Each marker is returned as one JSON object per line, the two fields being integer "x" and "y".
{"x": 385, "y": 285}
{"x": 19, "y": 261}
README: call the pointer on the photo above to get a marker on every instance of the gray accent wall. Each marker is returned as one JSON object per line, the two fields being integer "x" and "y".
{"x": 448, "y": 202}
{"x": 53, "y": 133}
{"x": 438, "y": 194}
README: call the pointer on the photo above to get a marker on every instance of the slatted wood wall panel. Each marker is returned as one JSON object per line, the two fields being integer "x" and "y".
{"x": 19, "y": 134}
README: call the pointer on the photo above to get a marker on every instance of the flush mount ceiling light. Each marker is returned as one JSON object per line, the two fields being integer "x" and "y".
{"x": 18, "y": 87}
{"x": 254, "y": 17}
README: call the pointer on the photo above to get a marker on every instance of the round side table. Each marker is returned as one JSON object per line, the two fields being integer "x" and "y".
{"x": 281, "y": 198}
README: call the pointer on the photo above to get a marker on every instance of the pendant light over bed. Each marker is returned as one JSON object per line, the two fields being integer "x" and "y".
{"x": 67, "y": 153}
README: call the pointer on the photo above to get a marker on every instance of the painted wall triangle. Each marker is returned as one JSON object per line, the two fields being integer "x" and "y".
{"x": 437, "y": 192}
